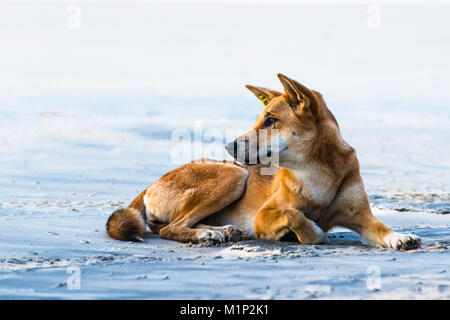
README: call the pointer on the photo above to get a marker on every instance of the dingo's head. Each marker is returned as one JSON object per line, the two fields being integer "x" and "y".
{"x": 287, "y": 129}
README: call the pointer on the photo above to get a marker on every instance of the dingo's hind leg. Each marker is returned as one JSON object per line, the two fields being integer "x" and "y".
{"x": 196, "y": 191}
{"x": 182, "y": 229}
{"x": 230, "y": 232}
{"x": 156, "y": 226}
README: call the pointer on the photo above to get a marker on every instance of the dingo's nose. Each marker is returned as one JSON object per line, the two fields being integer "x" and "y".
{"x": 231, "y": 148}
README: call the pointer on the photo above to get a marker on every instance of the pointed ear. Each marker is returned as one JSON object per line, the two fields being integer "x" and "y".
{"x": 263, "y": 94}
{"x": 298, "y": 95}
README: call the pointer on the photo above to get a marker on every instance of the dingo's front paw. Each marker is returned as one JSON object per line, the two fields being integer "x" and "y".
{"x": 234, "y": 234}
{"x": 402, "y": 241}
{"x": 211, "y": 236}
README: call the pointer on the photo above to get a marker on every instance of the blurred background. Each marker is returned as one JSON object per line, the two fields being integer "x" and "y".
{"x": 91, "y": 91}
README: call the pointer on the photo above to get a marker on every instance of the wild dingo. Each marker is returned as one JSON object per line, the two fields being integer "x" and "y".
{"x": 316, "y": 184}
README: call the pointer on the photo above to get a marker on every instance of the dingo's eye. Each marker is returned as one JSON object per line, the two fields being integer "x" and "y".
{"x": 269, "y": 122}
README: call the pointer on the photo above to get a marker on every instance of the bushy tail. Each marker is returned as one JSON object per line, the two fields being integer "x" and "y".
{"x": 128, "y": 224}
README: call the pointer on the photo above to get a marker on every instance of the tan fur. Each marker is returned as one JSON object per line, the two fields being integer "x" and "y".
{"x": 317, "y": 183}
{"x": 128, "y": 224}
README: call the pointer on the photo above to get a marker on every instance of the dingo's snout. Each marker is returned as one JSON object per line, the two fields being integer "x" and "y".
{"x": 243, "y": 150}
{"x": 231, "y": 148}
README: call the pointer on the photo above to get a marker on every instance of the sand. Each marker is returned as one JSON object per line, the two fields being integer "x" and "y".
{"x": 86, "y": 122}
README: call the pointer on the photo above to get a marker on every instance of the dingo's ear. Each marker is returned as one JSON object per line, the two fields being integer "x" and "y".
{"x": 263, "y": 94}
{"x": 299, "y": 97}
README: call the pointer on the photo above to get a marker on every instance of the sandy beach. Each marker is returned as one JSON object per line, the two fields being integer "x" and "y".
{"x": 39, "y": 262}
{"x": 87, "y": 121}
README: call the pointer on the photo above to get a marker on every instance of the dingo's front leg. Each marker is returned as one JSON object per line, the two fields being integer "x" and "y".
{"x": 402, "y": 241}
{"x": 352, "y": 210}
{"x": 375, "y": 232}
{"x": 272, "y": 223}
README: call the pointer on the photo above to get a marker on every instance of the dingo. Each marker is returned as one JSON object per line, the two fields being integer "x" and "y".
{"x": 316, "y": 185}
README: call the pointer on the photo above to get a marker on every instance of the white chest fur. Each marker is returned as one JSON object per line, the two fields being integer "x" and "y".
{"x": 315, "y": 185}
